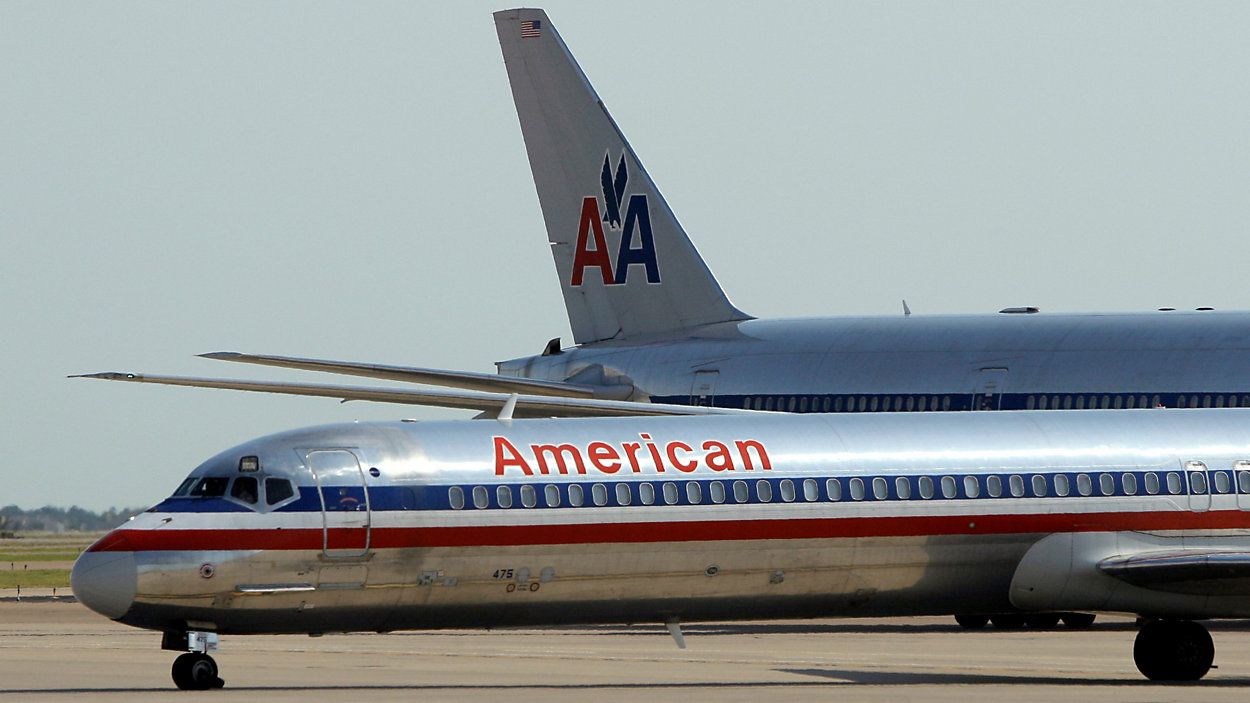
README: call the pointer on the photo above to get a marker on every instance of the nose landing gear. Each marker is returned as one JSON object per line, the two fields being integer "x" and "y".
{"x": 193, "y": 670}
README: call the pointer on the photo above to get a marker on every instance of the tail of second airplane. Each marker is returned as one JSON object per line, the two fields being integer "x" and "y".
{"x": 626, "y": 267}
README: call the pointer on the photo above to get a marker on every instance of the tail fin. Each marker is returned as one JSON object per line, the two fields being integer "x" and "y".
{"x": 626, "y": 266}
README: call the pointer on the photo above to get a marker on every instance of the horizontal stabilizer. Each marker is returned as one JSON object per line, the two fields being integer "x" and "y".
{"x": 434, "y": 377}
{"x": 1199, "y": 572}
{"x": 489, "y": 403}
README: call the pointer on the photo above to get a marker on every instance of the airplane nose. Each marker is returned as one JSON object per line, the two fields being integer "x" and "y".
{"x": 105, "y": 582}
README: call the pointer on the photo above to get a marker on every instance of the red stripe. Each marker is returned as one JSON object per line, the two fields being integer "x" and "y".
{"x": 644, "y": 532}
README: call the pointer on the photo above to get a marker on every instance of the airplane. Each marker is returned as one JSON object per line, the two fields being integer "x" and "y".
{"x": 652, "y": 325}
{"x": 382, "y": 526}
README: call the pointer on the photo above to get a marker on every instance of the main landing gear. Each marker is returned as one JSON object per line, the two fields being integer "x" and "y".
{"x": 1173, "y": 650}
{"x": 193, "y": 670}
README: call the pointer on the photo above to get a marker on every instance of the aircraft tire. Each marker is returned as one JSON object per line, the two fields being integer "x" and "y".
{"x": 193, "y": 671}
{"x": 1173, "y": 650}
{"x": 1077, "y": 621}
{"x": 1007, "y": 621}
{"x": 972, "y": 622}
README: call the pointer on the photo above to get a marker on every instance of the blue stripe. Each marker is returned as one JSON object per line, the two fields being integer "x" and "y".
{"x": 963, "y": 400}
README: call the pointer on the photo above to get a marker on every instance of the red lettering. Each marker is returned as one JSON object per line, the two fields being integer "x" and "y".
{"x": 743, "y": 452}
{"x": 557, "y": 452}
{"x": 515, "y": 459}
{"x": 718, "y": 457}
{"x": 672, "y": 455}
{"x": 585, "y": 257}
{"x": 604, "y": 457}
{"x": 631, "y": 451}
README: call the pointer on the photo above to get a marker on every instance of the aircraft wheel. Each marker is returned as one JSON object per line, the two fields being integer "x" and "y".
{"x": 1042, "y": 621}
{"x": 1173, "y": 650}
{"x": 972, "y": 622}
{"x": 196, "y": 672}
{"x": 1077, "y": 621}
{"x": 1008, "y": 621}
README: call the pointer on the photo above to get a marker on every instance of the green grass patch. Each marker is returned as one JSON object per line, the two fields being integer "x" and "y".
{"x": 21, "y": 557}
{"x": 34, "y": 578}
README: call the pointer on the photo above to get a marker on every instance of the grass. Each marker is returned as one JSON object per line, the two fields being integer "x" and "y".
{"x": 34, "y": 578}
{"x": 22, "y": 557}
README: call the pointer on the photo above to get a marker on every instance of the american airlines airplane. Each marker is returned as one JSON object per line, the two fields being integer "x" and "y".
{"x": 652, "y": 325}
{"x": 496, "y": 523}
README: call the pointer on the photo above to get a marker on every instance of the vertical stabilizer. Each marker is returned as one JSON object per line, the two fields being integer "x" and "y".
{"x": 626, "y": 266}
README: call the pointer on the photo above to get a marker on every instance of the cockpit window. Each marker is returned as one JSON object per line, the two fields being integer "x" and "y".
{"x": 277, "y": 490}
{"x": 185, "y": 487}
{"x": 210, "y": 487}
{"x": 245, "y": 489}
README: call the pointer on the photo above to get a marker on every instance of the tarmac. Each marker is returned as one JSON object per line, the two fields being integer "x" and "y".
{"x": 53, "y": 650}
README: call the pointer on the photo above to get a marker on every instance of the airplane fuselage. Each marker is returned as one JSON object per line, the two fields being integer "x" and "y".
{"x": 936, "y": 362}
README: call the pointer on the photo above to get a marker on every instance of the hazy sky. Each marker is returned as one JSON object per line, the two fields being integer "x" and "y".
{"x": 348, "y": 181}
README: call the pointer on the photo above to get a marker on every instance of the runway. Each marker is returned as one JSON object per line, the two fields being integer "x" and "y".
{"x": 61, "y": 651}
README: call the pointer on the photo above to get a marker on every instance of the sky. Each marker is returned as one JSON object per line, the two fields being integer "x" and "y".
{"x": 348, "y": 181}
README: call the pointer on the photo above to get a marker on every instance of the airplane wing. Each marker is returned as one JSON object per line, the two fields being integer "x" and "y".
{"x": 1199, "y": 572}
{"x": 490, "y": 403}
{"x": 434, "y": 377}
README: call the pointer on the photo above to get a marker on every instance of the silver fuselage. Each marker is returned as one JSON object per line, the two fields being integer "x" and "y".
{"x": 455, "y": 524}
{"x": 929, "y": 362}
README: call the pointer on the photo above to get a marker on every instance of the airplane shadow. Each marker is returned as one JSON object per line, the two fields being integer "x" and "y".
{"x": 894, "y": 678}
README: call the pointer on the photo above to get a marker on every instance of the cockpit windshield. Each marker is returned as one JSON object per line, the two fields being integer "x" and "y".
{"x": 210, "y": 487}
{"x": 245, "y": 489}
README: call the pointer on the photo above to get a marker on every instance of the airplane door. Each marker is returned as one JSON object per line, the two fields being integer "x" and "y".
{"x": 344, "y": 502}
{"x": 1199, "y": 481}
{"x": 703, "y": 389}
{"x": 1241, "y": 481}
{"x": 988, "y": 394}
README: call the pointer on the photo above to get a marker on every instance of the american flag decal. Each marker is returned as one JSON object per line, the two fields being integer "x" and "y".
{"x": 531, "y": 29}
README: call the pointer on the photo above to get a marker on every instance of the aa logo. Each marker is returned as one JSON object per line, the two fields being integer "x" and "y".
{"x": 592, "y": 250}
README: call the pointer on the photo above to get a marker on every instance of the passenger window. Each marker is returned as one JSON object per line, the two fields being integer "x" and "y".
{"x": 1106, "y": 484}
{"x": 1039, "y": 486}
{"x": 1016, "y": 483}
{"x": 623, "y": 496}
{"x": 646, "y": 493}
{"x": 1152, "y": 483}
{"x": 993, "y": 486}
{"x": 921, "y": 403}
{"x": 902, "y": 486}
{"x": 552, "y": 494}
{"x": 1041, "y": 402}
{"x": 210, "y": 487}
{"x": 1197, "y": 482}
{"x": 503, "y": 495}
{"x": 245, "y": 489}
{"x": 529, "y": 498}
{"x": 455, "y": 496}
{"x": 764, "y": 491}
{"x": 1174, "y": 482}
{"x": 1062, "y": 486}
{"x": 740, "y": 492}
{"x": 972, "y": 488}
{"x": 810, "y": 490}
{"x": 834, "y": 487}
{"x": 857, "y": 489}
{"x": 1084, "y": 484}
{"x": 1130, "y": 402}
{"x": 670, "y": 493}
{"x": 279, "y": 489}
{"x": 717, "y": 489}
{"x": 599, "y": 494}
{"x": 1129, "y": 481}
{"x": 803, "y": 404}
{"x": 1080, "y": 403}
{"x": 880, "y": 488}
{"x": 949, "y": 487}
{"x": 926, "y": 487}
{"x": 946, "y": 402}
{"x": 694, "y": 492}
{"x": 481, "y": 497}
{"x": 1243, "y": 480}
{"x": 787, "y": 490}
{"x": 837, "y": 404}
{"x": 1222, "y": 482}
{"x": 577, "y": 495}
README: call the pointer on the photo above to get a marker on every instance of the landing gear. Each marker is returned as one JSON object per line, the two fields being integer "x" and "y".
{"x": 194, "y": 671}
{"x": 1008, "y": 621}
{"x": 1041, "y": 621}
{"x": 1173, "y": 650}
{"x": 1077, "y": 621}
{"x": 972, "y": 622}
